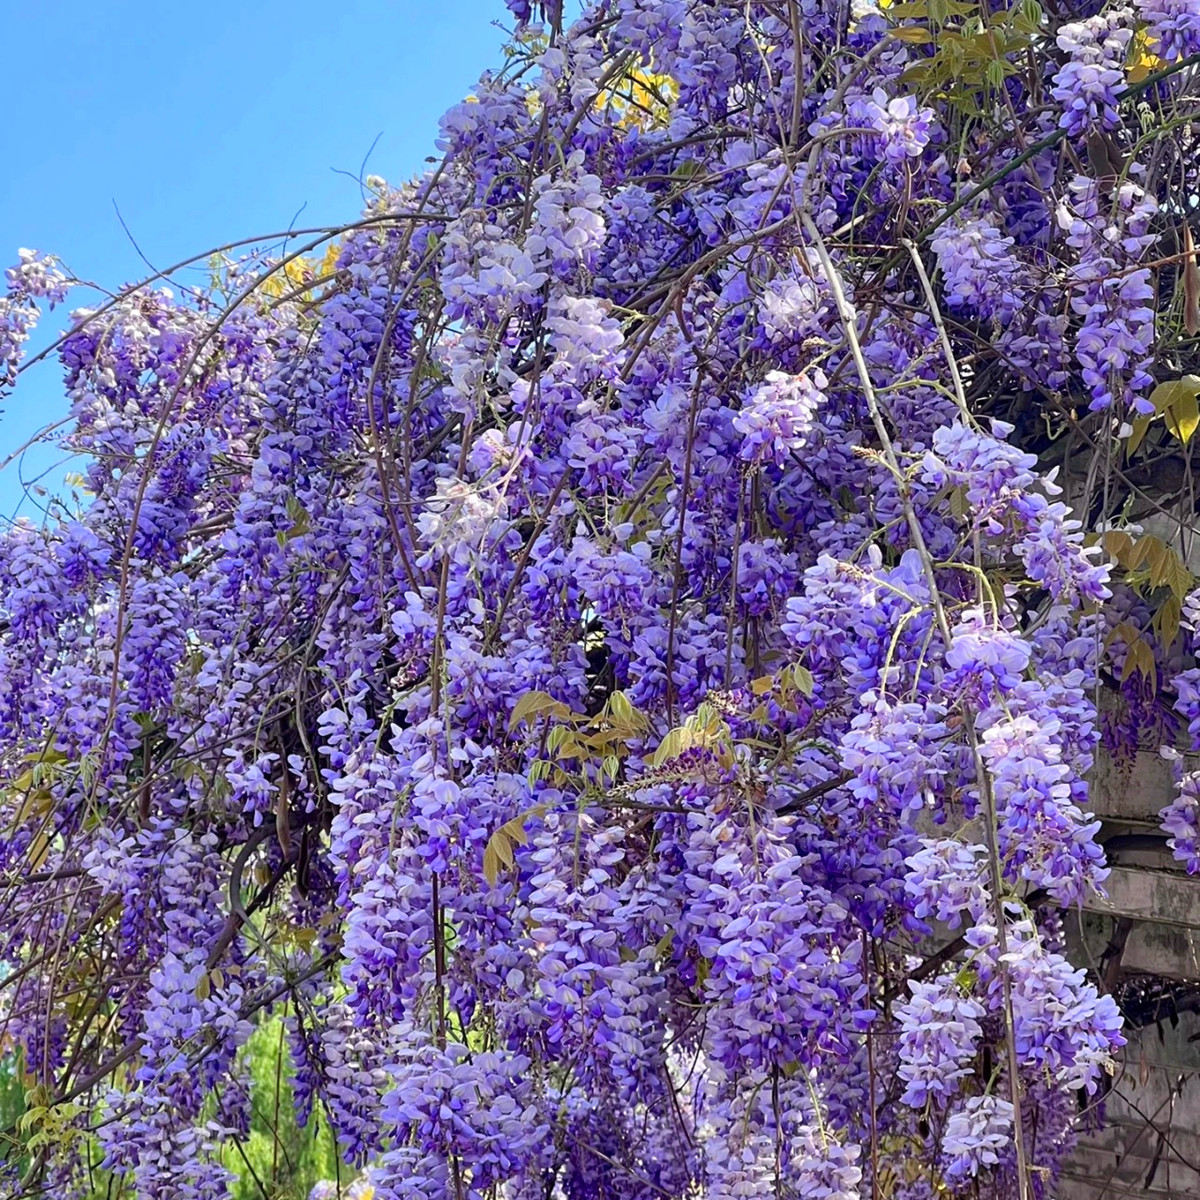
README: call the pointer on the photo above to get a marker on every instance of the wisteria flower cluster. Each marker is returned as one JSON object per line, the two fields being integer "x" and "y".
{"x": 35, "y": 276}
{"x": 582, "y": 648}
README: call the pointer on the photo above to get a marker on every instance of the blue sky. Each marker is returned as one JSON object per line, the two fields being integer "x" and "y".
{"x": 204, "y": 123}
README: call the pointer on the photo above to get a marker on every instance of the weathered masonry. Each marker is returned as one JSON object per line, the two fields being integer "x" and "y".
{"x": 1143, "y": 942}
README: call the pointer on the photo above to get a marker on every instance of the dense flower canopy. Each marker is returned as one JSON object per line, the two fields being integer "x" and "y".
{"x": 595, "y": 646}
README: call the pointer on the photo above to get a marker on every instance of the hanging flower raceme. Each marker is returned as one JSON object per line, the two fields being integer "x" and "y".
{"x": 1090, "y": 82}
{"x": 36, "y": 276}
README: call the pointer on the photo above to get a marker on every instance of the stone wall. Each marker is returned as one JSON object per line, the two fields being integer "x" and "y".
{"x": 1145, "y": 939}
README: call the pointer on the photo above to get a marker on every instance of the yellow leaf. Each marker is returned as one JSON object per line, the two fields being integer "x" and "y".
{"x": 623, "y": 716}
{"x": 498, "y": 853}
{"x": 1126, "y": 631}
{"x": 1118, "y": 545}
{"x": 1168, "y": 617}
{"x": 1141, "y": 61}
{"x": 1190, "y": 284}
{"x": 491, "y": 862}
{"x": 1168, "y": 394}
{"x": 1183, "y": 416}
{"x": 1130, "y": 667}
{"x": 1157, "y": 558}
{"x": 670, "y": 747}
{"x": 503, "y": 848}
{"x": 1137, "y": 433}
{"x": 515, "y": 828}
{"x": 1181, "y": 580}
{"x": 35, "y": 803}
{"x": 1138, "y": 657}
{"x": 533, "y": 704}
{"x": 39, "y": 850}
{"x": 639, "y": 98}
{"x": 23, "y": 782}
{"x": 571, "y": 747}
{"x": 703, "y": 729}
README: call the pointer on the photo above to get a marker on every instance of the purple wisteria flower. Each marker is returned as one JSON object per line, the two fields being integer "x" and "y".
{"x": 1109, "y": 289}
{"x": 522, "y": 659}
{"x": 777, "y": 419}
{"x": 1173, "y": 27}
{"x": 1043, "y": 835}
{"x": 946, "y": 881}
{"x": 939, "y": 1032}
{"x": 976, "y": 1135}
{"x": 979, "y": 269}
{"x": 35, "y": 276}
{"x": 1181, "y": 821}
{"x": 1090, "y": 82}
{"x": 904, "y": 128}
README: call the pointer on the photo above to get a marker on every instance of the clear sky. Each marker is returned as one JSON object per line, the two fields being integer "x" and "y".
{"x": 205, "y": 123}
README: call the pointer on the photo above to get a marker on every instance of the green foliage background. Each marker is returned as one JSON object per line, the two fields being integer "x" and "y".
{"x": 278, "y": 1161}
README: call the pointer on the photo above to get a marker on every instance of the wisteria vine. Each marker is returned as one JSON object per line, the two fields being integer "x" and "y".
{"x": 577, "y": 644}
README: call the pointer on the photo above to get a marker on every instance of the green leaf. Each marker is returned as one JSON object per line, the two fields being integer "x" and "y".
{"x": 967, "y": 978}
{"x": 301, "y": 523}
{"x": 960, "y": 507}
{"x": 803, "y": 680}
{"x": 31, "y": 1118}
